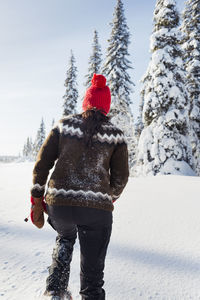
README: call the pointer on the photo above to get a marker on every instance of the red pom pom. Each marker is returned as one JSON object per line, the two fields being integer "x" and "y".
{"x": 99, "y": 81}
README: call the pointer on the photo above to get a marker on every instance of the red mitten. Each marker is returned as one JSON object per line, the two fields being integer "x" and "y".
{"x": 37, "y": 211}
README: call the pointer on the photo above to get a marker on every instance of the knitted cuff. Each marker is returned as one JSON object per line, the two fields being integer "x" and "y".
{"x": 37, "y": 190}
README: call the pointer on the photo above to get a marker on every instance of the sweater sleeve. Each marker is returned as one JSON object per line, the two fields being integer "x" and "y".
{"x": 45, "y": 161}
{"x": 119, "y": 170}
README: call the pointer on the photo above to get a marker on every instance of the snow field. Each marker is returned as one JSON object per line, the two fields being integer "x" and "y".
{"x": 154, "y": 251}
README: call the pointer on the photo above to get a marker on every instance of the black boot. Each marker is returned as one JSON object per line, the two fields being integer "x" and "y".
{"x": 57, "y": 281}
{"x": 52, "y": 295}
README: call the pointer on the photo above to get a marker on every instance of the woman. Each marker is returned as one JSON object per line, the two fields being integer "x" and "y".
{"x": 90, "y": 174}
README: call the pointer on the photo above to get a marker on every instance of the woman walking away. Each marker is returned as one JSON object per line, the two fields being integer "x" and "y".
{"x": 90, "y": 173}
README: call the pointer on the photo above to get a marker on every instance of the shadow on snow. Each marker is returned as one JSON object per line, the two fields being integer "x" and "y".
{"x": 163, "y": 260}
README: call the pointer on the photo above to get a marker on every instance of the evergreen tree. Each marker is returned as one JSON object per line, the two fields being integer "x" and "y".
{"x": 124, "y": 120}
{"x": 191, "y": 50}
{"x": 94, "y": 60}
{"x": 117, "y": 63}
{"x": 40, "y": 137}
{"x": 146, "y": 79}
{"x": 164, "y": 145}
{"x": 71, "y": 93}
{"x": 28, "y": 149}
{"x": 116, "y": 71}
{"x": 25, "y": 150}
{"x": 139, "y": 125}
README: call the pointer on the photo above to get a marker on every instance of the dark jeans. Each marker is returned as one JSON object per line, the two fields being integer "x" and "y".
{"x": 94, "y": 229}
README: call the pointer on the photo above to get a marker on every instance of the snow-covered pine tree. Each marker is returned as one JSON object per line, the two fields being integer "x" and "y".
{"x": 40, "y": 137}
{"x": 71, "y": 93}
{"x": 24, "y": 151}
{"x": 164, "y": 145}
{"x": 28, "y": 149}
{"x": 117, "y": 64}
{"x": 191, "y": 49}
{"x": 139, "y": 126}
{"x": 95, "y": 60}
{"x": 118, "y": 79}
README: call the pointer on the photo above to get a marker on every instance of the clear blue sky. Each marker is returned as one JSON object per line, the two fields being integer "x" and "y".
{"x": 35, "y": 42}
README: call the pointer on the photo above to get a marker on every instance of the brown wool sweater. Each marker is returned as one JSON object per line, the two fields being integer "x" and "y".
{"x": 90, "y": 176}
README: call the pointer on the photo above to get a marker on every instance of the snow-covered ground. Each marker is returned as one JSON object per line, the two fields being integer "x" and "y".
{"x": 154, "y": 251}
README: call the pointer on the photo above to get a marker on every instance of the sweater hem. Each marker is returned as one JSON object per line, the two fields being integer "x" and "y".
{"x": 79, "y": 202}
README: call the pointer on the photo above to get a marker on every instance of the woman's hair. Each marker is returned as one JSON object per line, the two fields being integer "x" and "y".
{"x": 92, "y": 121}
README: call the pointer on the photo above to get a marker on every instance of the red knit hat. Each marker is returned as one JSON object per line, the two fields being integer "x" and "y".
{"x": 97, "y": 95}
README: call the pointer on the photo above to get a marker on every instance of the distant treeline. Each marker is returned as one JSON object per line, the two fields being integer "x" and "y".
{"x": 8, "y": 158}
